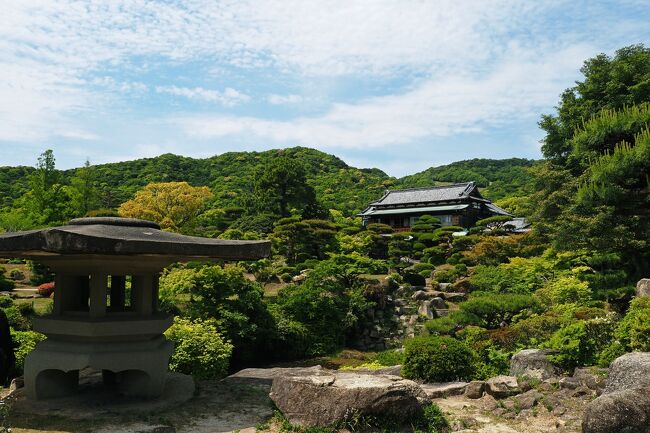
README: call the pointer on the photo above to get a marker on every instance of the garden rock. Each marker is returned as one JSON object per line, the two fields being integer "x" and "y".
{"x": 591, "y": 377}
{"x": 643, "y": 287}
{"x": 454, "y": 296}
{"x": 446, "y": 389}
{"x": 528, "y": 400}
{"x": 475, "y": 389}
{"x": 624, "y": 406}
{"x": 533, "y": 363}
{"x": 425, "y": 310}
{"x": 438, "y": 303}
{"x": 326, "y": 398}
{"x": 502, "y": 386}
{"x": 420, "y": 295}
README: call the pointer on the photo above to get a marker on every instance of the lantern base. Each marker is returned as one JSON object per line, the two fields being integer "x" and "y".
{"x": 136, "y": 368}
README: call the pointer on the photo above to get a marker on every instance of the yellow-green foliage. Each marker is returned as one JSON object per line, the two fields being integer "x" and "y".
{"x": 634, "y": 330}
{"x": 565, "y": 290}
{"x": 199, "y": 350}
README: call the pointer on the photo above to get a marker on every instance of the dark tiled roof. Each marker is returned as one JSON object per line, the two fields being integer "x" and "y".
{"x": 425, "y": 195}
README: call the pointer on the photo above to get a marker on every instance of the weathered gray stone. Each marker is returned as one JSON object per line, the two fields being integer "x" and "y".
{"x": 628, "y": 371}
{"x": 438, "y": 303}
{"x": 533, "y": 363}
{"x": 643, "y": 287}
{"x": 420, "y": 295}
{"x": 266, "y": 375}
{"x": 454, "y": 296}
{"x": 475, "y": 389}
{"x": 624, "y": 406}
{"x": 446, "y": 389}
{"x": 592, "y": 377}
{"x": 425, "y": 310}
{"x": 326, "y": 398}
{"x": 502, "y": 386}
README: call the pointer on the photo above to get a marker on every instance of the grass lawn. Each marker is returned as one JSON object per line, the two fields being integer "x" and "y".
{"x": 40, "y": 304}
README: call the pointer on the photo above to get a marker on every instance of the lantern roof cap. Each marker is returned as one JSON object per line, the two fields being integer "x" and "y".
{"x": 124, "y": 236}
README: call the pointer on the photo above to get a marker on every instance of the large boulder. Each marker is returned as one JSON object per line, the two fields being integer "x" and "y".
{"x": 643, "y": 287}
{"x": 328, "y": 397}
{"x": 533, "y": 363}
{"x": 502, "y": 386}
{"x": 624, "y": 406}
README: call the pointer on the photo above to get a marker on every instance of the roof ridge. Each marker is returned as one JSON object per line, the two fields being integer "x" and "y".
{"x": 423, "y": 188}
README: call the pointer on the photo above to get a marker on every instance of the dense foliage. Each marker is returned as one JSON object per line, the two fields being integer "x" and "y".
{"x": 438, "y": 359}
{"x": 330, "y": 282}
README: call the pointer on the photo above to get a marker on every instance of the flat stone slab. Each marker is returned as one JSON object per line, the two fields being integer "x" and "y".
{"x": 442, "y": 390}
{"x": 266, "y": 375}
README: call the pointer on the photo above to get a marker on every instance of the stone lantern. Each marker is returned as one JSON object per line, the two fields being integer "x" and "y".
{"x": 106, "y": 313}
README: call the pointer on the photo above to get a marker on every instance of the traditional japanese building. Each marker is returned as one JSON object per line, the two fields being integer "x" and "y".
{"x": 460, "y": 204}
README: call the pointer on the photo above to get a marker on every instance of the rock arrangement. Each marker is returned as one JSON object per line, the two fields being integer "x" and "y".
{"x": 643, "y": 287}
{"x": 625, "y": 404}
{"x": 403, "y": 314}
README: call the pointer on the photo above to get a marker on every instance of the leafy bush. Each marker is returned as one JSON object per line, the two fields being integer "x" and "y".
{"x": 565, "y": 290}
{"x": 634, "y": 330}
{"x": 6, "y": 302}
{"x": 5, "y": 284}
{"x": 199, "y": 350}
{"x": 494, "y": 310}
{"x": 25, "y": 342}
{"x": 519, "y": 275}
{"x": 581, "y": 342}
{"x": 16, "y": 319}
{"x": 450, "y": 324}
{"x": 438, "y": 359}
{"x": 223, "y": 294}
{"x": 389, "y": 358}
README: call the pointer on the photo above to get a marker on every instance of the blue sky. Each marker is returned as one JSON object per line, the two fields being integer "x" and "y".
{"x": 399, "y": 85}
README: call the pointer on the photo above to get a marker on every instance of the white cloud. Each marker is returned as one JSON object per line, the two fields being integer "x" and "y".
{"x": 437, "y": 107}
{"x": 229, "y": 97}
{"x": 486, "y": 61}
{"x": 285, "y": 99}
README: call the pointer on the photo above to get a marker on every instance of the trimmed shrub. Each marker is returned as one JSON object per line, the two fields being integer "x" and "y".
{"x": 450, "y": 324}
{"x": 495, "y": 310}
{"x": 199, "y": 349}
{"x": 438, "y": 359}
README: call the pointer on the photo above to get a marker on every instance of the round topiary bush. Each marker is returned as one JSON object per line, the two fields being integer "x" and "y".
{"x": 199, "y": 349}
{"x": 438, "y": 359}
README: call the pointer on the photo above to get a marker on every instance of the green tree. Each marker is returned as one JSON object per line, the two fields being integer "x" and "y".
{"x": 609, "y": 82}
{"x": 85, "y": 196}
{"x": 48, "y": 200}
{"x": 282, "y": 185}
{"x": 299, "y": 240}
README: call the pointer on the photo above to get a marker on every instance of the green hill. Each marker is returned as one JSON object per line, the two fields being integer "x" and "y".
{"x": 231, "y": 175}
{"x": 498, "y": 178}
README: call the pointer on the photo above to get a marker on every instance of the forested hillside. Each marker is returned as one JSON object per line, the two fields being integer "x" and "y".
{"x": 231, "y": 176}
